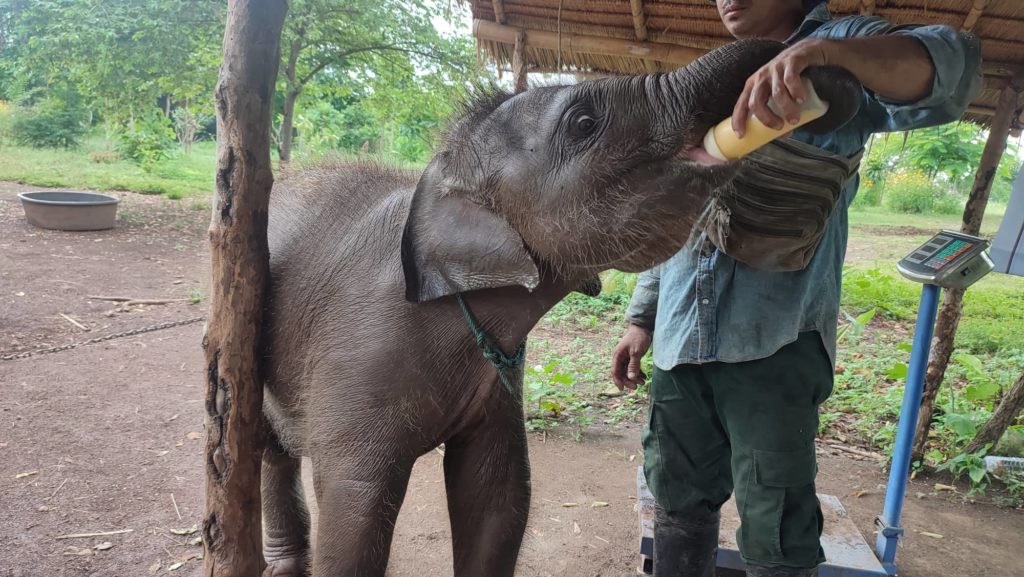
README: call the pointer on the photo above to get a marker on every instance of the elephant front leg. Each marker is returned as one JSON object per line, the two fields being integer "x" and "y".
{"x": 285, "y": 518}
{"x": 487, "y": 478}
{"x": 359, "y": 497}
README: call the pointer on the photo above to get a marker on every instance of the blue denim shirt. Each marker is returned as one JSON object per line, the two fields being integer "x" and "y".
{"x": 704, "y": 306}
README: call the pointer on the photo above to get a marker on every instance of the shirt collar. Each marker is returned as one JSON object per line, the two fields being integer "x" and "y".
{"x": 815, "y": 18}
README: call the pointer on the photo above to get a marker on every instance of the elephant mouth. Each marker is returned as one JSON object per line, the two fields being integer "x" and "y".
{"x": 699, "y": 155}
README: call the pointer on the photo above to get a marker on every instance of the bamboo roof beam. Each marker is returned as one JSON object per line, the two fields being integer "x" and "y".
{"x": 499, "y": 11}
{"x": 639, "y": 19}
{"x": 581, "y": 43}
{"x": 972, "y": 17}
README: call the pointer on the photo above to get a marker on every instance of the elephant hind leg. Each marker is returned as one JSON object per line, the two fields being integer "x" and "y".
{"x": 487, "y": 478}
{"x": 285, "y": 518}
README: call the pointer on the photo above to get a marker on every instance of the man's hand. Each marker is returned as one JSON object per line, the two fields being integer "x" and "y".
{"x": 896, "y": 68}
{"x": 626, "y": 358}
{"x": 780, "y": 81}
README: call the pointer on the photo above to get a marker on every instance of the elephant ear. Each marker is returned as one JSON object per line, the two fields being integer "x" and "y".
{"x": 452, "y": 244}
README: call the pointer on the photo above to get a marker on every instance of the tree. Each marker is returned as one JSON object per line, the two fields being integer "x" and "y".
{"x": 240, "y": 259}
{"x": 948, "y": 320}
{"x": 121, "y": 55}
{"x": 1004, "y": 415}
{"x": 349, "y": 43}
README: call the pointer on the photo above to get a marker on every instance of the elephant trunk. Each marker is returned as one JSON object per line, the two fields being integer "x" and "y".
{"x": 703, "y": 93}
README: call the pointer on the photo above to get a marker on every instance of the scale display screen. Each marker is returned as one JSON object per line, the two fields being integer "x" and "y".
{"x": 948, "y": 259}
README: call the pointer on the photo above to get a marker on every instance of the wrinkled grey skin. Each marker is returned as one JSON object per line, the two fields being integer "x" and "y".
{"x": 369, "y": 363}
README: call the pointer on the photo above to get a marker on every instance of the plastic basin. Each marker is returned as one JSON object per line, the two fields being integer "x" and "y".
{"x": 69, "y": 210}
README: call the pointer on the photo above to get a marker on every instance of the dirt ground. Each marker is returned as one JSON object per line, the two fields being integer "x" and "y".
{"x": 108, "y": 437}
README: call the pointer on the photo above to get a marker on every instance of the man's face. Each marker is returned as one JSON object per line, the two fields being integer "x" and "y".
{"x": 758, "y": 18}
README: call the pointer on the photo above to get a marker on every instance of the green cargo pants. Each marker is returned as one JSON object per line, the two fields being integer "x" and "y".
{"x": 746, "y": 427}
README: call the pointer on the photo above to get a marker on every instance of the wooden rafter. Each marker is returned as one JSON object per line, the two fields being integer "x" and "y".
{"x": 519, "y": 62}
{"x": 499, "y": 11}
{"x": 972, "y": 17}
{"x": 639, "y": 19}
{"x": 867, "y": 7}
{"x": 573, "y": 43}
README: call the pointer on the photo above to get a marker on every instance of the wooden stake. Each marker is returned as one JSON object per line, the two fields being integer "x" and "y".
{"x": 232, "y": 527}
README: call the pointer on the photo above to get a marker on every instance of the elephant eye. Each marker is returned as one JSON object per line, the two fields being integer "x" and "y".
{"x": 584, "y": 125}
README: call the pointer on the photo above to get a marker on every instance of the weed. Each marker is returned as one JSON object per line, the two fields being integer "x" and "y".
{"x": 972, "y": 465}
{"x": 195, "y": 297}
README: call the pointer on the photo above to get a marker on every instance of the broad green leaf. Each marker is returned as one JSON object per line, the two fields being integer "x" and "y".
{"x": 865, "y": 318}
{"x": 977, "y": 474}
{"x": 897, "y": 371}
{"x": 981, "y": 391}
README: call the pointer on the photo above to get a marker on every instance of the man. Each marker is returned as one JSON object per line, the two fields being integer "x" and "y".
{"x": 743, "y": 358}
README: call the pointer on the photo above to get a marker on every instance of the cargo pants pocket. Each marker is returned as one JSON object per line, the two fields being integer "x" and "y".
{"x": 778, "y": 508}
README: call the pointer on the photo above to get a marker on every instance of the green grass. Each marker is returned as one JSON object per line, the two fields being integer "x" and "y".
{"x": 177, "y": 177}
{"x": 877, "y": 216}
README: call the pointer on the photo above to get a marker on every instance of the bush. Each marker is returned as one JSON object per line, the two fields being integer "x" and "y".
{"x": 50, "y": 124}
{"x": 869, "y": 194}
{"x": 910, "y": 192}
{"x": 6, "y": 121}
{"x": 147, "y": 140}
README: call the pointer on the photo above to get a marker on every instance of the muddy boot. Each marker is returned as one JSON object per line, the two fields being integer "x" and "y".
{"x": 754, "y": 571}
{"x": 685, "y": 545}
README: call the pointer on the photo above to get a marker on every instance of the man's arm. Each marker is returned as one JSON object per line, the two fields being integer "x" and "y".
{"x": 922, "y": 75}
{"x": 643, "y": 307}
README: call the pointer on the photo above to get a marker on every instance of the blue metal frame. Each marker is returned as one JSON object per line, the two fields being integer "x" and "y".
{"x": 889, "y": 530}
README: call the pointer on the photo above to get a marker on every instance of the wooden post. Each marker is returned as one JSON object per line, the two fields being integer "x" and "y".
{"x": 519, "y": 62}
{"x": 952, "y": 299}
{"x": 232, "y": 529}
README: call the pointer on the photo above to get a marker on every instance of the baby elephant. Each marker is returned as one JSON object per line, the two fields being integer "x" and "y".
{"x": 369, "y": 359}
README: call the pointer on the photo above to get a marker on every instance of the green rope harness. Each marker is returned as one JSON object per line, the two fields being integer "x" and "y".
{"x": 505, "y": 364}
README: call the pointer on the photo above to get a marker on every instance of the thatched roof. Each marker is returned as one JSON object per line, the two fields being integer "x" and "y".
{"x": 630, "y": 36}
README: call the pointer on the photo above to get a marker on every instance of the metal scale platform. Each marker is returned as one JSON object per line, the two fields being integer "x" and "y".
{"x": 947, "y": 260}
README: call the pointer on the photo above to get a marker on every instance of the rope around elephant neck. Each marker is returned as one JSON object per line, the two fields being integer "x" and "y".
{"x": 504, "y": 364}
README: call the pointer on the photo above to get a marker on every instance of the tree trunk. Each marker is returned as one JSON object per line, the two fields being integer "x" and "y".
{"x": 232, "y": 529}
{"x": 285, "y": 137}
{"x": 1002, "y": 418}
{"x": 952, "y": 302}
{"x": 284, "y": 149}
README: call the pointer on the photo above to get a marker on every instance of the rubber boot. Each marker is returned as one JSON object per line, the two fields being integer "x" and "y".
{"x": 685, "y": 545}
{"x": 755, "y": 571}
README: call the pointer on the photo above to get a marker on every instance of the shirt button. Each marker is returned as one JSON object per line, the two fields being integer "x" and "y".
{"x": 704, "y": 301}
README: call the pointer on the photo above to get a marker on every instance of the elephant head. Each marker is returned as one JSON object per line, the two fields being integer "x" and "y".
{"x": 573, "y": 180}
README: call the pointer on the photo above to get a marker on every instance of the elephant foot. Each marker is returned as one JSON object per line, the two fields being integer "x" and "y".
{"x": 285, "y": 562}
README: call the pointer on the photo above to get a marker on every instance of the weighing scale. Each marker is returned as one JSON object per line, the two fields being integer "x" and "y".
{"x": 947, "y": 260}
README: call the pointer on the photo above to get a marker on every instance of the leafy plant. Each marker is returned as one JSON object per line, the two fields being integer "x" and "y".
{"x": 910, "y": 192}
{"x": 973, "y": 466}
{"x": 50, "y": 124}
{"x": 147, "y": 140}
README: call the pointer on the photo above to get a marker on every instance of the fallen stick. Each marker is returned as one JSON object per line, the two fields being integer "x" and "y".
{"x": 135, "y": 301}
{"x": 858, "y": 452}
{"x": 74, "y": 322}
{"x": 175, "y": 506}
{"x": 100, "y": 534}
